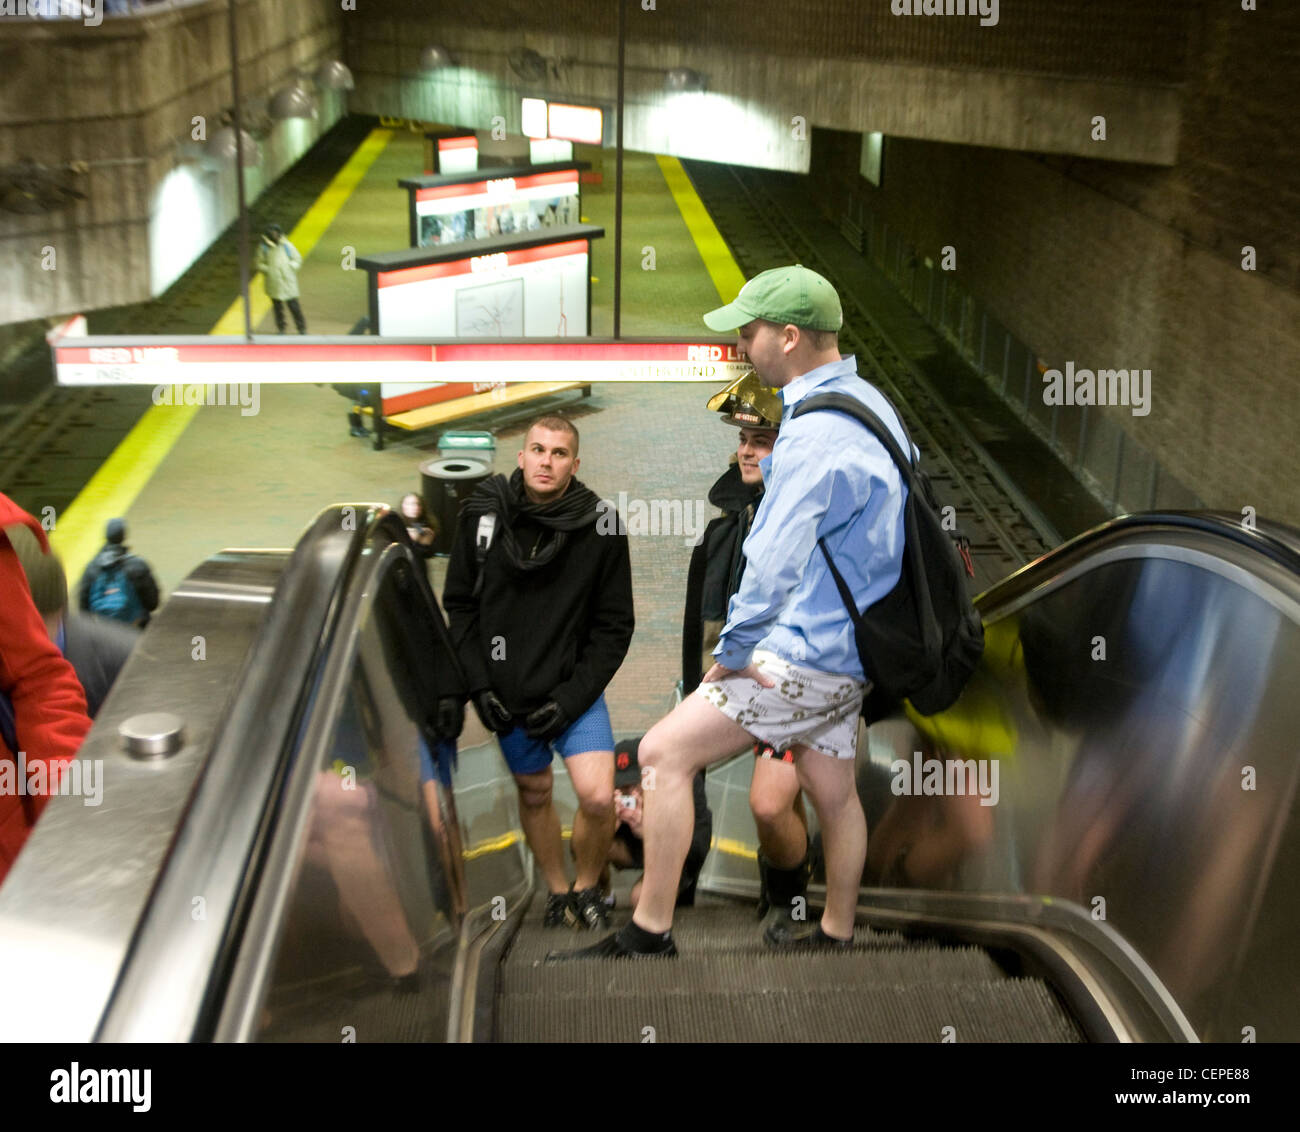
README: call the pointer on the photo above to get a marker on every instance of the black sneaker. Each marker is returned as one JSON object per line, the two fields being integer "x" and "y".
{"x": 789, "y": 935}
{"x": 611, "y": 947}
{"x": 557, "y": 910}
{"x": 587, "y": 910}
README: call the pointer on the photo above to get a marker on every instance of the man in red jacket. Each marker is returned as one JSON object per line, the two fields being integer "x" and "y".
{"x": 48, "y": 706}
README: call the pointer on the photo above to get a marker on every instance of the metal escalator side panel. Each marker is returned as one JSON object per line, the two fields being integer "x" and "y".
{"x": 74, "y": 898}
{"x": 1145, "y": 722}
{"x": 171, "y": 980}
{"x": 352, "y": 922}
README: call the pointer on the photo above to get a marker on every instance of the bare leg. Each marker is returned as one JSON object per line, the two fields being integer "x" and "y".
{"x": 778, "y": 813}
{"x": 620, "y": 857}
{"x": 343, "y": 830}
{"x": 592, "y": 773}
{"x": 833, "y": 788}
{"x": 692, "y": 736}
{"x": 542, "y": 827}
{"x": 447, "y": 837}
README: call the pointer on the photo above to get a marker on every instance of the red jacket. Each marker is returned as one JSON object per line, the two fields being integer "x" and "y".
{"x": 49, "y": 706}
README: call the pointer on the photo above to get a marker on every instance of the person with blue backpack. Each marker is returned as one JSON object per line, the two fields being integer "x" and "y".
{"x": 118, "y": 584}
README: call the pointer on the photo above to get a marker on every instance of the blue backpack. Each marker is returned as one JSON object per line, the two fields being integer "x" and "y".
{"x": 113, "y": 594}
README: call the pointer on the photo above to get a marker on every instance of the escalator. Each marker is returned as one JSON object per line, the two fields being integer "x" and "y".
{"x": 295, "y": 857}
{"x": 728, "y": 985}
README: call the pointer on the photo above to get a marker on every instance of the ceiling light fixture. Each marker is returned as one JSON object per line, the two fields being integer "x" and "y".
{"x": 293, "y": 101}
{"x": 684, "y": 79}
{"x": 435, "y": 57}
{"x": 334, "y": 75}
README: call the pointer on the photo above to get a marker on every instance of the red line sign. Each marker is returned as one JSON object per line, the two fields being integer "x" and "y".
{"x": 205, "y": 360}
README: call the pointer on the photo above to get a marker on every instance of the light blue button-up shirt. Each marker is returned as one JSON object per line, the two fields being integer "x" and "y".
{"x": 827, "y": 477}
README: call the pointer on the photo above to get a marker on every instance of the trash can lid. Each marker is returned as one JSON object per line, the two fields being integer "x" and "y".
{"x": 455, "y": 468}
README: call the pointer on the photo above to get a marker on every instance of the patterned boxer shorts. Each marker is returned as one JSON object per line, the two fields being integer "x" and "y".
{"x": 816, "y": 709}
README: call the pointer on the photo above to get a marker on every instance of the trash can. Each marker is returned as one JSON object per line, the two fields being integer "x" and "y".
{"x": 481, "y": 446}
{"x": 447, "y": 482}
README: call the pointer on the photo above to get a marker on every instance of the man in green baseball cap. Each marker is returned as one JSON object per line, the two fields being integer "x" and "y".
{"x": 792, "y": 295}
{"x": 787, "y": 323}
{"x": 787, "y": 672}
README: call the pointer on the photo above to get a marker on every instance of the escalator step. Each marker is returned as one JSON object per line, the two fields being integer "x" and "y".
{"x": 728, "y": 927}
{"x": 1008, "y": 1010}
{"x": 739, "y": 974}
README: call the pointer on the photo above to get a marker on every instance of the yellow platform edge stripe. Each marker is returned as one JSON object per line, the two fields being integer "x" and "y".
{"x": 79, "y": 531}
{"x": 727, "y": 845}
{"x": 718, "y": 261}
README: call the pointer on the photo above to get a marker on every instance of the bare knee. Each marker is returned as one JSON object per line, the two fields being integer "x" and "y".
{"x": 597, "y": 804}
{"x": 652, "y": 751}
{"x": 660, "y": 759}
{"x": 534, "y": 795}
{"x": 770, "y": 810}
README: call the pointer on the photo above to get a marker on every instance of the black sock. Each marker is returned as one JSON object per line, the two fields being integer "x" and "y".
{"x": 636, "y": 938}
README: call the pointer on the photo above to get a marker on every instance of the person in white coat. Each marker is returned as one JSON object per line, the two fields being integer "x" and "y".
{"x": 279, "y": 261}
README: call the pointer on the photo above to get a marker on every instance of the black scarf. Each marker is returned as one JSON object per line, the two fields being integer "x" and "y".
{"x": 575, "y": 509}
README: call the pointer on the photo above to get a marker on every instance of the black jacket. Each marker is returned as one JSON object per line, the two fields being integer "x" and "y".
{"x": 717, "y": 563}
{"x": 97, "y": 648}
{"x": 556, "y": 633}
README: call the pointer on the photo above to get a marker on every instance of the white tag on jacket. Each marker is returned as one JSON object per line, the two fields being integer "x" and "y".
{"x": 487, "y": 525}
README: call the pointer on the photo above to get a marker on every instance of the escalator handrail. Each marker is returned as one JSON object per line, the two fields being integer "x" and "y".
{"x": 1274, "y": 542}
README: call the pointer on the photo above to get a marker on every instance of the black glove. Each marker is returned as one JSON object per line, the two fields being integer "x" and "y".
{"x": 548, "y": 722}
{"x": 449, "y": 717}
{"x": 492, "y": 712}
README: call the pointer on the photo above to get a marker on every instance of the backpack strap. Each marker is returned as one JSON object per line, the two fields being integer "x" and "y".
{"x": 8, "y": 728}
{"x": 487, "y": 525}
{"x": 9, "y": 732}
{"x": 851, "y": 406}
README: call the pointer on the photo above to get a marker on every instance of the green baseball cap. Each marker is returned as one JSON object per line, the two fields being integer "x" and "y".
{"x": 783, "y": 295}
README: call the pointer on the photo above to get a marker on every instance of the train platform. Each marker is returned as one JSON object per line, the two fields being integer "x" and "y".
{"x": 194, "y": 480}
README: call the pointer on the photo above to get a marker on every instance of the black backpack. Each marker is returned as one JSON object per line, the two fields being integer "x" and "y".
{"x": 923, "y": 639}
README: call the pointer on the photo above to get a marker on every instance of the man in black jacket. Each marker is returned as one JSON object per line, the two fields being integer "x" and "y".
{"x": 539, "y": 602}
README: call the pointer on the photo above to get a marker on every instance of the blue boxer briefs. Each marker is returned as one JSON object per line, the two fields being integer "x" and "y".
{"x": 439, "y": 764}
{"x": 591, "y": 732}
